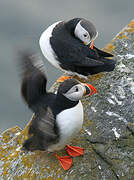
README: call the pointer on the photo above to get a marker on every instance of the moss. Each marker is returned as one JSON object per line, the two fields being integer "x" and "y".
{"x": 105, "y": 158}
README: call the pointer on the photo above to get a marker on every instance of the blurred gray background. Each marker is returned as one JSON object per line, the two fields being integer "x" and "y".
{"x": 21, "y": 24}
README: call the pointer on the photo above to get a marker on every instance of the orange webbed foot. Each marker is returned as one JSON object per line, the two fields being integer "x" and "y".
{"x": 65, "y": 161}
{"x": 74, "y": 150}
{"x": 63, "y": 78}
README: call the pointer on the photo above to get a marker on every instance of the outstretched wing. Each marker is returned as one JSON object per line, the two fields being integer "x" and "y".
{"x": 42, "y": 131}
{"x": 33, "y": 79}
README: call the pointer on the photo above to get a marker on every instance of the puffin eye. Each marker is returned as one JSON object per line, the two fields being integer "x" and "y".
{"x": 85, "y": 35}
{"x": 76, "y": 89}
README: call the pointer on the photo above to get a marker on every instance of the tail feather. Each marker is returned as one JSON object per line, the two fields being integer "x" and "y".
{"x": 29, "y": 145}
{"x": 102, "y": 53}
{"x": 32, "y": 143}
{"x": 108, "y": 66}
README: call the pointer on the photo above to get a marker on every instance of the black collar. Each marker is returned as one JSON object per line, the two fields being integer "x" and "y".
{"x": 62, "y": 103}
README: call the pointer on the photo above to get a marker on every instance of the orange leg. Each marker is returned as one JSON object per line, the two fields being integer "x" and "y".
{"x": 65, "y": 161}
{"x": 63, "y": 78}
{"x": 74, "y": 150}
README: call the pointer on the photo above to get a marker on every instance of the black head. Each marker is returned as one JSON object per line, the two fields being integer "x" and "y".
{"x": 82, "y": 29}
{"x": 75, "y": 90}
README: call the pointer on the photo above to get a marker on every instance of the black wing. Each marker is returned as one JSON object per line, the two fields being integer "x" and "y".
{"x": 75, "y": 53}
{"x": 42, "y": 131}
{"x": 33, "y": 85}
{"x": 102, "y": 53}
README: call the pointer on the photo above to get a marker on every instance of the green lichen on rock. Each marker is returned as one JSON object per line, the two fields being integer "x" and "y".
{"x": 107, "y": 135}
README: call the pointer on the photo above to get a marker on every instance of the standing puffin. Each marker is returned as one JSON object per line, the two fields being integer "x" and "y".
{"x": 57, "y": 117}
{"x": 68, "y": 45}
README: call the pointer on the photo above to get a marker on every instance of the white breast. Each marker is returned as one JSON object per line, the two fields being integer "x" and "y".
{"x": 69, "y": 122}
{"x": 46, "y": 47}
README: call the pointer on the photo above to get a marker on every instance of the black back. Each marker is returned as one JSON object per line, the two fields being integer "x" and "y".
{"x": 73, "y": 55}
{"x": 43, "y": 130}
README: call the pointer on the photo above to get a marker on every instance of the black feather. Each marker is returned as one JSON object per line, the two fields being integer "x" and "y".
{"x": 33, "y": 85}
{"x": 43, "y": 130}
{"x": 72, "y": 54}
{"x": 102, "y": 53}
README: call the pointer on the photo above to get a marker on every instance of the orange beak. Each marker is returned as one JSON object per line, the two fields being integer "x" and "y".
{"x": 92, "y": 44}
{"x": 89, "y": 89}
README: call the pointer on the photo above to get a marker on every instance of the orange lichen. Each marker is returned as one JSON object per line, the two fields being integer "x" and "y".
{"x": 109, "y": 47}
{"x": 13, "y": 138}
{"x": 122, "y": 35}
{"x": 131, "y": 25}
{"x": 96, "y": 77}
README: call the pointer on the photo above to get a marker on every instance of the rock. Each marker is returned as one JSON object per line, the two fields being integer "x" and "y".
{"x": 107, "y": 135}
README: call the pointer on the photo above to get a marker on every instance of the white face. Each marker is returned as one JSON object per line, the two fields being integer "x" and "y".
{"x": 75, "y": 93}
{"x": 83, "y": 34}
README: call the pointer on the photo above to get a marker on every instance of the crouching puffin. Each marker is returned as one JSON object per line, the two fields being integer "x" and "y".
{"x": 68, "y": 45}
{"x": 57, "y": 117}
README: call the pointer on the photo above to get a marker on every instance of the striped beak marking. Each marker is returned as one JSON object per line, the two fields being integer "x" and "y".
{"x": 89, "y": 89}
{"x": 91, "y": 45}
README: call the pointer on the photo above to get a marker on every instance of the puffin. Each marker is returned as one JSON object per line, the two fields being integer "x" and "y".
{"x": 68, "y": 45}
{"x": 57, "y": 117}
